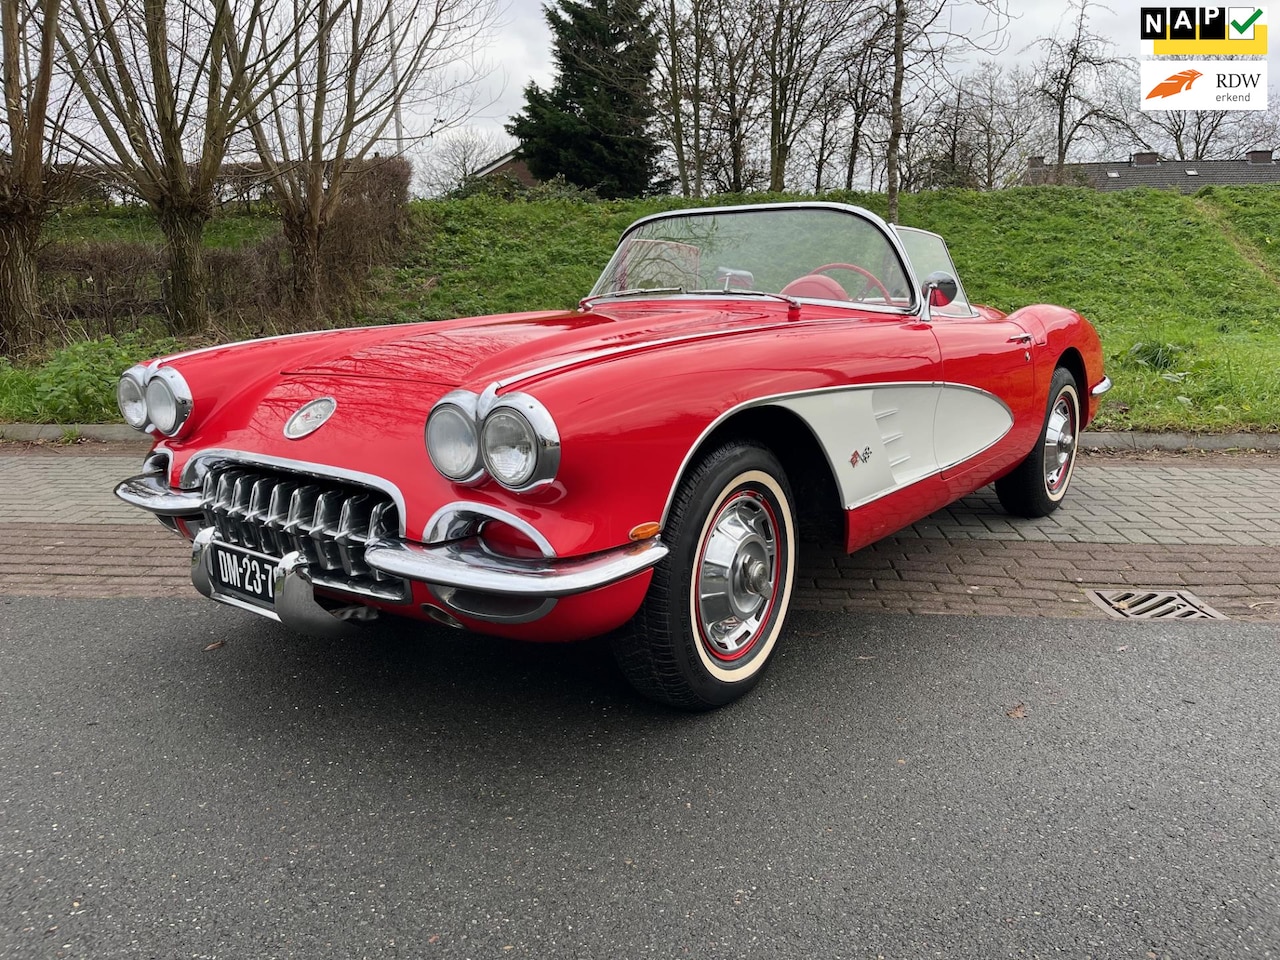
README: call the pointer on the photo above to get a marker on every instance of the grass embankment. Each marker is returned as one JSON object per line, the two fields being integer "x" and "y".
{"x": 1185, "y": 291}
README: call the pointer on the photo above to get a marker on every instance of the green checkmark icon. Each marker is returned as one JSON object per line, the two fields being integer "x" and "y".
{"x": 1242, "y": 27}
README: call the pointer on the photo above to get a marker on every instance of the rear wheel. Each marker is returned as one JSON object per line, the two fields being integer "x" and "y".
{"x": 1037, "y": 486}
{"x": 717, "y": 603}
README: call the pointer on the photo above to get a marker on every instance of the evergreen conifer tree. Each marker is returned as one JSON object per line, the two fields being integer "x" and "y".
{"x": 594, "y": 125}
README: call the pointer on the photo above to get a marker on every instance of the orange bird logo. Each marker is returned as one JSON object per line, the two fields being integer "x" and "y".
{"x": 1175, "y": 84}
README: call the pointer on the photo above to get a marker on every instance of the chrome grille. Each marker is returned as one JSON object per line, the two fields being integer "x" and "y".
{"x": 328, "y": 521}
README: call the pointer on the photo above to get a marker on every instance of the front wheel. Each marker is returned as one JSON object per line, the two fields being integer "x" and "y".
{"x": 1036, "y": 486}
{"x": 717, "y": 602}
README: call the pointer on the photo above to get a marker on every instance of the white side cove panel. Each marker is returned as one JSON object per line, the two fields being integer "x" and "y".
{"x": 969, "y": 421}
{"x": 881, "y": 438}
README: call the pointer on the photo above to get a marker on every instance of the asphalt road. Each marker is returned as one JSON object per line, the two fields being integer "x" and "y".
{"x": 898, "y": 786}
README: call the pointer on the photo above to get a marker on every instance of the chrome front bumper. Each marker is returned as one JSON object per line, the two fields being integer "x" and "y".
{"x": 463, "y": 575}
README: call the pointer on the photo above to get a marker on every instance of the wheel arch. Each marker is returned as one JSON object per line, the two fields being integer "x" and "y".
{"x": 1071, "y": 361}
{"x": 788, "y": 436}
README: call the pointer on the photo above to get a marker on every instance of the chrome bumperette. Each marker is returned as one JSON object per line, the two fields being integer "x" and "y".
{"x": 469, "y": 565}
{"x": 151, "y": 492}
{"x": 295, "y": 603}
{"x": 1101, "y": 388}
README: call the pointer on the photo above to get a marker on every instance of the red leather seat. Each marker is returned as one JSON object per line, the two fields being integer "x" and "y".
{"x": 815, "y": 286}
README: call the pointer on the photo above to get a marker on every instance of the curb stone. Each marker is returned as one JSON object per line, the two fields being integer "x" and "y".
{"x": 104, "y": 432}
{"x": 1208, "y": 442}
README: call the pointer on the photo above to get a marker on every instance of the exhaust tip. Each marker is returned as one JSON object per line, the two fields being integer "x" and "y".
{"x": 442, "y": 616}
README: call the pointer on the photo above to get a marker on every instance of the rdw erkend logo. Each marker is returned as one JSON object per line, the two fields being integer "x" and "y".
{"x": 1203, "y": 85}
{"x": 1175, "y": 84}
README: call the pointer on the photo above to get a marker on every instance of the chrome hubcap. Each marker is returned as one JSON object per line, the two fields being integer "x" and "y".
{"x": 737, "y": 575}
{"x": 1059, "y": 444}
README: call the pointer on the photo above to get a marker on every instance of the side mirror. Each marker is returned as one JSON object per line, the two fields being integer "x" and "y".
{"x": 940, "y": 288}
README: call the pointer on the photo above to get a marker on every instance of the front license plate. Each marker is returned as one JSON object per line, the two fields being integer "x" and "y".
{"x": 245, "y": 574}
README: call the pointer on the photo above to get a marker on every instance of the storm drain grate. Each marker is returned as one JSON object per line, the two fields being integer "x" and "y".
{"x": 1153, "y": 605}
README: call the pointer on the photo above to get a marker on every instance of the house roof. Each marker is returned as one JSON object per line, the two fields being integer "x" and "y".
{"x": 494, "y": 165}
{"x": 1186, "y": 176}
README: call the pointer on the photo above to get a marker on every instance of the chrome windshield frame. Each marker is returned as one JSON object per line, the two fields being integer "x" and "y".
{"x": 890, "y": 236}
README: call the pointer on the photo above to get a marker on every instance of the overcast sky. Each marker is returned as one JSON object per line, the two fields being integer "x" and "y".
{"x": 522, "y": 49}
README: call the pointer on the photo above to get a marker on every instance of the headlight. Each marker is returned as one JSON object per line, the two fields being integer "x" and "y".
{"x": 131, "y": 398}
{"x": 452, "y": 442}
{"x": 510, "y": 448}
{"x": 168, "y": 400}
{"x": 520, "y": 443}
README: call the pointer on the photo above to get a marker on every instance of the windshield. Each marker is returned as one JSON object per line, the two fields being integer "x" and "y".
{"x": 811, "y": 253}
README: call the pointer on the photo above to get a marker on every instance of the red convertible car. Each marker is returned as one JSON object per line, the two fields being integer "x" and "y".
{"x": 642, "y": 466}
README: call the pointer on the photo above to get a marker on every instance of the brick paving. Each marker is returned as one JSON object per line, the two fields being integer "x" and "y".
{"x": 1210, "y": 527}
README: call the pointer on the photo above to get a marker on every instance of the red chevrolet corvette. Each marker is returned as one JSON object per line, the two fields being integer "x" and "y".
{"x": 642, "y": 466}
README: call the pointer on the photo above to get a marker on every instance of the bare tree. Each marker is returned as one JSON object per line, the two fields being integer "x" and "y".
{"x": 454, "y": 157}
{"x": 862, "y": 96}
{"x": 678, "y": 82}
{"x": 920, "y": 38}
{"x": 27, "y": 40}
{"x": 711, "y": 82}
{"x": 323, "y": 113}
{"x": 744, "y": 81}
{"x": 167, "y": 83}
{"x": 1004, "y": 120}
{"x": 1072, "y": 81}
{"x": 803, "y": 49}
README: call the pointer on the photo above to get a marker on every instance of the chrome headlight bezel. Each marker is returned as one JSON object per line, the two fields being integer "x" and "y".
{"x": 535, "y": 420}
{"x": 461, "y": 404}
{"x": 133, "y": 381}
{"x": 176, "y": 390}
{"x": 543, "y": 436}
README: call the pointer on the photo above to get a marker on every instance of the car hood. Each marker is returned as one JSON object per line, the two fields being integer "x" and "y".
{"x": 456, "y": 352}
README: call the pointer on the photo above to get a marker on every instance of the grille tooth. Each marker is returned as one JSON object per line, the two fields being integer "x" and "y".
{"x": 353, "y": 534}
{"x": 324, "y": 528}
{"x": 239, "y": 510}
{"x": 278, "y": 515}
{"x": 219, "y": 509}
{"x": 302, "y": 508}
{"x": 328, "y": 521}
{"x": 256, "y": 513}
{"x": 382, "y": 520}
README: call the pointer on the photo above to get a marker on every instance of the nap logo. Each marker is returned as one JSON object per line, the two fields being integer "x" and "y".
{"x": 1203, "y": 31}
{"x": 1204, "y": 85}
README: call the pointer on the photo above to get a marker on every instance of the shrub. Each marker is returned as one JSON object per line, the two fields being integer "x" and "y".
{"x": 77, "y": 383}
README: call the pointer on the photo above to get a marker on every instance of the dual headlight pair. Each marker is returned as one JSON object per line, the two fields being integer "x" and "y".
{"x": 512, "y": 439}
{"x": 154, "y": 397}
